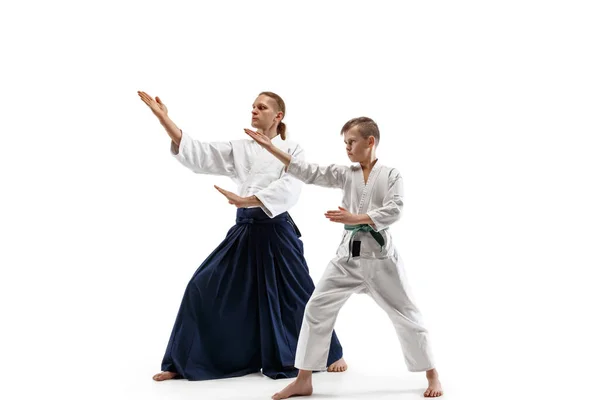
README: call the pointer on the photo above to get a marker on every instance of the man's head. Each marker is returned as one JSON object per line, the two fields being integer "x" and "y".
{"x": 267, "y": 111}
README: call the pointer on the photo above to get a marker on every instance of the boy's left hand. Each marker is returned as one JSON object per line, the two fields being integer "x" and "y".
{"x": 260, "y": 138}
{"x": 342, "y": 216}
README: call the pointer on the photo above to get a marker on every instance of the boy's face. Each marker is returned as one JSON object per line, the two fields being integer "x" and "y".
{"x": 358, "y": 148}
{"x": 264, "y": 113}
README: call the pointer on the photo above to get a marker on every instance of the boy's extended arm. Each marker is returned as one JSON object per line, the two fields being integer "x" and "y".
{"x": 327, "y": 176}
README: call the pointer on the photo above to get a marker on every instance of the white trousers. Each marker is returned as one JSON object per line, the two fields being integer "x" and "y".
{"x": 378, "y": 274}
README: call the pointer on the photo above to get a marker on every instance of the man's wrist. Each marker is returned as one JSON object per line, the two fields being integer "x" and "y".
{"x": 251, "y": 201}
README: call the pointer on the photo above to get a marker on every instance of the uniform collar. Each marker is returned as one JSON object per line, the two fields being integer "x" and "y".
{"x": 277, "y": 140}
{"x": 377, "y": 165}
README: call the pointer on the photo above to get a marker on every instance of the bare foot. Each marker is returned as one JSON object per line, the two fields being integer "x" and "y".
{"x": 300, "y": 387}
{"x": 338, "y": 366}
{"x": 163, "y": 376}
{"x": 435, "y": 387}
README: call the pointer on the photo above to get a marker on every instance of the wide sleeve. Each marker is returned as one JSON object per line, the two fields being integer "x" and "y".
{"x": 333, "y": 176}
{"x": 213, "y": 158}
{"x": 391, "y": 211}
{"x": 280, "y": 195}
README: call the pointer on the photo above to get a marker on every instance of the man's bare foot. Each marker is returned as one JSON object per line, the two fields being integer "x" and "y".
{"x": 338, "y": 366}
{"x": 163, "y": 376}
{"x": 435, "y": 387}
{"x": 302, "y": 386}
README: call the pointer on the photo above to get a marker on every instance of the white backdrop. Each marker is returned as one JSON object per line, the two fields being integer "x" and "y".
{"x": 489, "y": 110}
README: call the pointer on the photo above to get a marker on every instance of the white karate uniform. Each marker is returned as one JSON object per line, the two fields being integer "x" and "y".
{"x": 252, "y": 168}
{"x": 377, "y": 272}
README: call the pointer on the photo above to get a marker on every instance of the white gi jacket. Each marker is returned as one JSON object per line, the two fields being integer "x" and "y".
{"x": 375, "y": 271}
{"x": 252, "y": 168}
{"x": 380, "y": 198}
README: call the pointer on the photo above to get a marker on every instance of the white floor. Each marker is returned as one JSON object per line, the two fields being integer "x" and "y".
{"x": 353, "y": 384}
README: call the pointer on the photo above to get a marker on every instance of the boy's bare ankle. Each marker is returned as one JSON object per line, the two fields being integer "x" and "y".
{"x": 304, "y": 375}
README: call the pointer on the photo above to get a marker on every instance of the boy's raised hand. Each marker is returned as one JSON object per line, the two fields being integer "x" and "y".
{"x": 260, "y": 138}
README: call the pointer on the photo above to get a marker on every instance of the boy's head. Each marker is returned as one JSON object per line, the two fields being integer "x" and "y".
{"x": 361, "y": 136}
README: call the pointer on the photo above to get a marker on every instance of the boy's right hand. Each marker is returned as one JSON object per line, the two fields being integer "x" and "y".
{"x": 260, "y": 138}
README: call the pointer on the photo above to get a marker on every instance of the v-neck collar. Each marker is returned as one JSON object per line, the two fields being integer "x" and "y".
{"x": 365, "y": 190}
{"x": 277, "y": 141}
{"x": 375, "y": 167}
{"x": 260, "y": 151}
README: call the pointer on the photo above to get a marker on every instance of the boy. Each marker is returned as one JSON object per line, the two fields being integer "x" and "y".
{"x": 366, "y": 260}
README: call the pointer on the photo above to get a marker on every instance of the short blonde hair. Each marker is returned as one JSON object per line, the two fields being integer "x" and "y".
{"x": 366, "y": 127}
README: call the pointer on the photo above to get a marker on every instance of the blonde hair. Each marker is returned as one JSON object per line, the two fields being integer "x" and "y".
{"x": 366, "y": 127}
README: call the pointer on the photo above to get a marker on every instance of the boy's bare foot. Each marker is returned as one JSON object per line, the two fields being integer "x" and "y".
{"x": 435, "y": 387}
{"x": 338, "y": 366}
{"x": 163, "y": 376}
{"x": 302, "y": 386}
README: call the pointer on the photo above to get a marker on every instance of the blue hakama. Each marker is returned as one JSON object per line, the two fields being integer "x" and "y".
{"x": 242, "y": 310}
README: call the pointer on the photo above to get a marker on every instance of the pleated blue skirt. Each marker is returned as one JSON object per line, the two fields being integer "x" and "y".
{"x": 242, "y": 310}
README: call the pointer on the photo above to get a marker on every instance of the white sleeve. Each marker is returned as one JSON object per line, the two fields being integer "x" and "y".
{"x": 333, "y": 176}
{"x": 391, "y": 211}
{"x": 282, "y": 194}
{"x": 214, "y": 158}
